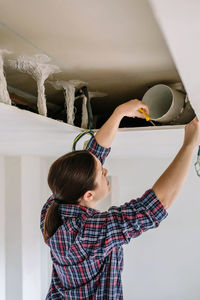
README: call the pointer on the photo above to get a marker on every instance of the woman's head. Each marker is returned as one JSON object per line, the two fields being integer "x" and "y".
{"x": 78, "y": 178}
{"x": 75, "y": 178}
{"x": 71, "y": 175}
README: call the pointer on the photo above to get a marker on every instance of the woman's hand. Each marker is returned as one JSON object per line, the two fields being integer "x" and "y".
{"x": 192, "y": 133}
{"x": 130, "y": 109}
{"x": 107, "y": 132}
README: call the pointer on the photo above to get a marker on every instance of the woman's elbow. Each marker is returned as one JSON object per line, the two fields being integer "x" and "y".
{"x": 165, "y": 198}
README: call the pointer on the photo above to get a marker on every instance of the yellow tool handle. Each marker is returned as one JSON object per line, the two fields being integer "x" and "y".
{"x": 143, "y": 112}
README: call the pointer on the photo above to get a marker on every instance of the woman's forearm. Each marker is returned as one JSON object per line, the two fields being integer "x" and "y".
{"x": 107, "y": 132}
{"x": 170, "y": 182}
{"x": 105, "y": 135}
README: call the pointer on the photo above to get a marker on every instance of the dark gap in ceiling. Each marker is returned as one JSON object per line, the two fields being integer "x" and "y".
{"x": 102, "y": 108}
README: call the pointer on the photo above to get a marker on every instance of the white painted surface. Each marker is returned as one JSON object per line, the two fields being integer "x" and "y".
{"x": 30, "y": 212}
{"x": 26, "y": 133}
{"x": 25, "y": 261}
{"x": 2, "y": 231}
{"x": 162, "y": 263}
{"x": 13, "y": 228}
{"x": 116, "y": 46}
{"x": 180, "y": 23}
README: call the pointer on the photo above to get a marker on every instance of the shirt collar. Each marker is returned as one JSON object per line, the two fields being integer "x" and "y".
{"x": 75, "y": 210}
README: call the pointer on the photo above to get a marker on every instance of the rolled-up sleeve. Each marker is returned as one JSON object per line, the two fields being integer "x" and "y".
{"x": 119, "y": 224}
{"x": 100, "y": 152}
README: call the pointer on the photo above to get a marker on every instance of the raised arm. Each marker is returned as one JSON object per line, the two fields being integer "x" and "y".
{"x": 105, "y": 135}
{"x": 171, "y": 181}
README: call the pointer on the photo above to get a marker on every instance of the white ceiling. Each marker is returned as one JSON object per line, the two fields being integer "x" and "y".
{"x": 25, "y": 133}
{"x": 180, "y": 24}
{"x": 116, "y": 45}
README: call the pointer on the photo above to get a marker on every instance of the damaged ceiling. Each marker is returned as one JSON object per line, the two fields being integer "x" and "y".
{"x": 114, "y": 46}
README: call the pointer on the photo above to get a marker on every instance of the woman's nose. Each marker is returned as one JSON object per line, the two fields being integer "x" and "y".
{"x": 105, "y": 172}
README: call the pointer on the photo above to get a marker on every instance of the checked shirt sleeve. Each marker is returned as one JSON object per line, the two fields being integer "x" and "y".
{"x": 100, "y": 152}
{"x": 118, "y": 225}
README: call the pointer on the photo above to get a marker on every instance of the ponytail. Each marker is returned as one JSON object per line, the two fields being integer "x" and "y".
{"x": 70, "y": 176}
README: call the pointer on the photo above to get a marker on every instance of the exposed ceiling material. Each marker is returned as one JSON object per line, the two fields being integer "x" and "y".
{"x": 37, "y": 67}
{"x": 69, "y": 88}
{"x": 114, "y": 46}
{"x": 28, "y": 99}
{"x": 4, "y": 96}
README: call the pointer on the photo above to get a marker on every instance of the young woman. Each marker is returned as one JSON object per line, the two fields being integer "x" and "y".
{"x": 85, "y": 244}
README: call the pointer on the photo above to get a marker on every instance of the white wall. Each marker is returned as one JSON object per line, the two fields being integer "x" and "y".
{"x": 25, "y": 262}
{"x": 2, "y": 230}
{"x": 13, "y": 242}
{"x": 161, "y": 264}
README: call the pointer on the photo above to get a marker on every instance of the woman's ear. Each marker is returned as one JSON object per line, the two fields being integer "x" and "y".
{"x": 88, "y": 196}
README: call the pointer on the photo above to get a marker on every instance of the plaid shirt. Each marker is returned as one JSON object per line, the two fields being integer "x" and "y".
{"x": 87, "y": 251}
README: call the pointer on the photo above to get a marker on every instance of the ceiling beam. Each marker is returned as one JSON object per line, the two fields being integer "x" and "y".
{"x": 25, "y": 133}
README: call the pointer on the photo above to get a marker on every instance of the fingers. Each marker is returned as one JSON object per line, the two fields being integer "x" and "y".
{"x": 140, "y": 115}
{"x": 144, "y": 107}
{"x": 195, "y": 119}
{"x": 133, "y": 106}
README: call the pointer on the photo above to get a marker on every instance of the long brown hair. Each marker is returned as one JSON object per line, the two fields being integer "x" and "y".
{"x": 70, "y": 176}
